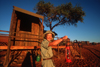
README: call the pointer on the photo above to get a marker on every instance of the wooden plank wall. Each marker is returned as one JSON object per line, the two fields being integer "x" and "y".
{"x": 36, "y": 32}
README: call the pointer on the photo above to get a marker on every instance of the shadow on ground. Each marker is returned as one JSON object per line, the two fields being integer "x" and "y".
{"x": 27, "y": 61}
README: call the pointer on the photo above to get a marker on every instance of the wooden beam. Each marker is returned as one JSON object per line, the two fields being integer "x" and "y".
{"x": 4, "y": 31}
{"x": 20, "y": 33}
{"x": 16, "y": 47}
{"x": 25, "y": 47}
{"x": 26, "y": 37}
{"x": 38, "y": 47}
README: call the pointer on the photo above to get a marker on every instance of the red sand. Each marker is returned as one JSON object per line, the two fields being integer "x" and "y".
{"x": 91, "y": 56}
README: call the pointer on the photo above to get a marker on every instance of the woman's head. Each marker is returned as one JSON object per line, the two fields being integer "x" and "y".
{"x": 49, "y": 35}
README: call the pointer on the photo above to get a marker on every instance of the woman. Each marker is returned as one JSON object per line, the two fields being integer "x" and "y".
{"x": 46, "y": 49}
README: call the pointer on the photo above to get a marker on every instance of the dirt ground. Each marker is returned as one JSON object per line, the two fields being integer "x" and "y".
{"x": 91, "y": 58}
{"x": 90, "y": 53}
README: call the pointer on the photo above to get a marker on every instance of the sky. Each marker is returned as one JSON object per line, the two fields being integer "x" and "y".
{"x": 87, "y": 31}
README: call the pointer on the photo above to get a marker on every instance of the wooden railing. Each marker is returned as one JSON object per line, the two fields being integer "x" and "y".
{"x": 24, "y": 47}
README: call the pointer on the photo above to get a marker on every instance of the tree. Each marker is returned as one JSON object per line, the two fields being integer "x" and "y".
{"x": 64, "y": 14}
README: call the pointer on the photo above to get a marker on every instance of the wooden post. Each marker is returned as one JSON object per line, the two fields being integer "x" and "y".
{"x": 6, "y": 62}
{"x": 17, "y": 32}
{"x": 58, "y": 51}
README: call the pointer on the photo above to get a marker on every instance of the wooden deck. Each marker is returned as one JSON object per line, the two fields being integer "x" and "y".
{"x": 25, "y": 47}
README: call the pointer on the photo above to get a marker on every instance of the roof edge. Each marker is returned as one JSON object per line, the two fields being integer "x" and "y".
{"x": 27, "y": 12}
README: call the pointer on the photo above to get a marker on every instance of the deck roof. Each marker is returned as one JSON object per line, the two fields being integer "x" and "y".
{"x": 27, "y": 12}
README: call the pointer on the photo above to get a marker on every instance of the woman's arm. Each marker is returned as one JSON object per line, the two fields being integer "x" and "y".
{"x": 55, "y": 42}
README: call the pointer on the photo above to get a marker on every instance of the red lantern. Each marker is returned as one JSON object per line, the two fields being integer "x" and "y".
{"x": 68, "y": 54}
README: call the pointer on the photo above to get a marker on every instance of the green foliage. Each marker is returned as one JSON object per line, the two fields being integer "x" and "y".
{"x": 64, "y": 14}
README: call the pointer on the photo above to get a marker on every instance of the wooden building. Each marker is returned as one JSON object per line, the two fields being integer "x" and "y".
{"x": 26, "y": 32}
{"x": 26, "y": 29}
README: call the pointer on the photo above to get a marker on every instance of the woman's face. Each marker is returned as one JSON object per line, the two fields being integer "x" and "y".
{"x": 49, "y": 37}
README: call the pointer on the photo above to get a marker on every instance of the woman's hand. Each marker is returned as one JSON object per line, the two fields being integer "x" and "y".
{"x": 65, "y": 37}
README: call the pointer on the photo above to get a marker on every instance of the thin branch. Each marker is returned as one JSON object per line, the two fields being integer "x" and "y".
{"x": 57, "y": 23}
{"x": 50, "y": 24}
